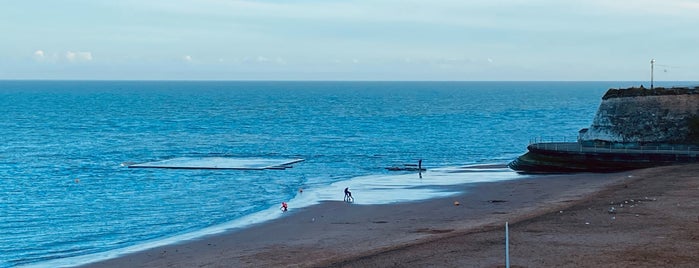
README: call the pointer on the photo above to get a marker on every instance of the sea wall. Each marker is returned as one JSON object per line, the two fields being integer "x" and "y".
{"x": 641, "y": 116}
{"x": 546, "y": 158}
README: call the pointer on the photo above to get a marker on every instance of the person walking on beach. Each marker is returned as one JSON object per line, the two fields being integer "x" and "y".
{"x": 284, "y": 207}
{"x": 348, "y": 195}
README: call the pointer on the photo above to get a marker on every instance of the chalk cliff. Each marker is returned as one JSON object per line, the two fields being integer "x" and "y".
{"x": 646, "y": 116}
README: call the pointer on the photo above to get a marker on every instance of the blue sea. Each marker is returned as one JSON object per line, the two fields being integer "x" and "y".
{"x": 68, "y": 197}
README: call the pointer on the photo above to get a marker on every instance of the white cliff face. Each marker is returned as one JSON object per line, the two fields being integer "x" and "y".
{"x": 657, "y": 118}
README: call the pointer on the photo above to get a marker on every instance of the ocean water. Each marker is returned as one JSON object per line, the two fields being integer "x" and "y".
{"x": 66, "y": 193}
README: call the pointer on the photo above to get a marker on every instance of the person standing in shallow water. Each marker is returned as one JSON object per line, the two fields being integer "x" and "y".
{"x": 348, "y": 195}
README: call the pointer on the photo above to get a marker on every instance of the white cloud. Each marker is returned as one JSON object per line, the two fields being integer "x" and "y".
{"x": 39, "y": 54}
{"x": 187, "y": 58}
{"x": 79, "y": 56}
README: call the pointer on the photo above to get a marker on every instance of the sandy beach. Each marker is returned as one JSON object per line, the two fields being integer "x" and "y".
{"x": 554, "y": 221}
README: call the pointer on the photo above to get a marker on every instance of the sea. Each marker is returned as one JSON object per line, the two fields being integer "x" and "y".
{"x": 68, "y": 197}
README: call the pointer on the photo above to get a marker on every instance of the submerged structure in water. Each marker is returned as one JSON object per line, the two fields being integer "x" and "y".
{"x": 633, "y": 128}
{"x": 219, "y": 163}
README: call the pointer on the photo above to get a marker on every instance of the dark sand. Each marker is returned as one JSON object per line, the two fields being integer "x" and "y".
{"x": 555, "y": 221}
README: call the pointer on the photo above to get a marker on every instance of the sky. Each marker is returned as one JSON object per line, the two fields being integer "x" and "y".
{"x": 462, "y": 40}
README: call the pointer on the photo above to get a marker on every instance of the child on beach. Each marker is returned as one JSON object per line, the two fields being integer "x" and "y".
{"x": 284, "y": 207}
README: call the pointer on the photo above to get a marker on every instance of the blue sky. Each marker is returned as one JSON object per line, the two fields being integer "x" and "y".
{"x": 349, "y": 40}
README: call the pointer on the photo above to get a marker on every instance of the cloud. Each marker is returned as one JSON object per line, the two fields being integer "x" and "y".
{"x": 39, "y": 54}
{"x": 57, "y": 58}
{"x": 79, "y": 56}
{"x": 187, "y": 58}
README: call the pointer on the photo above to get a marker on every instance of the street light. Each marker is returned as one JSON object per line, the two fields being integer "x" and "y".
{"x": 652, "y": 61}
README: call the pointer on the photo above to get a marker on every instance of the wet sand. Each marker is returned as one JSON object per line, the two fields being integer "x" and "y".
{"x": 555, "y": 220}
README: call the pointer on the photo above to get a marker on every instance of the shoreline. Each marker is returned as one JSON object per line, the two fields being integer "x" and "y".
{"x": 334, "y": 232}
{"x": 374, "y": 189}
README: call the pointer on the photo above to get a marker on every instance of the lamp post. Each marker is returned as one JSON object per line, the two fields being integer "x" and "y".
{"x": 652, "y": 62}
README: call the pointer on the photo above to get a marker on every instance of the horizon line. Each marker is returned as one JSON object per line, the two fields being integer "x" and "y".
{"x": 311, "y": 80}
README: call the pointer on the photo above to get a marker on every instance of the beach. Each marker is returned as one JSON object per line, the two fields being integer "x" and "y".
{"x": 554, "y": 220}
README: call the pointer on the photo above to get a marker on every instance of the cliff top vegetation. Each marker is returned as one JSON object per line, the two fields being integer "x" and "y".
{"x": 642, "y": 91}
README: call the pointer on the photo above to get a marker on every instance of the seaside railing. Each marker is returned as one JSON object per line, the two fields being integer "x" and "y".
{"x": 574, "y": 145}
{"x": 553, "y": 139}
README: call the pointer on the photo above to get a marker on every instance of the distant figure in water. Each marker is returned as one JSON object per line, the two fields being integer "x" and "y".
{"x": 348, "y": 195}
{"x": 284, "y": 207}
